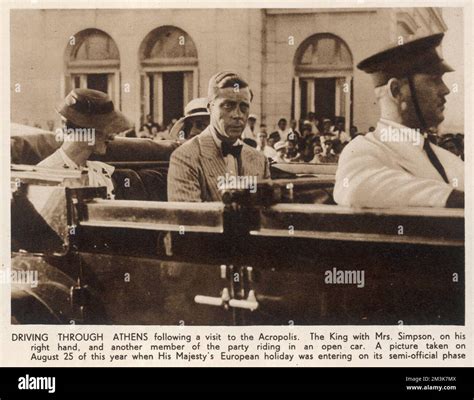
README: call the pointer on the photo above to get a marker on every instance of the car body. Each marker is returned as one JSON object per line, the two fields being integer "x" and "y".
{"x": 273, "y": 257}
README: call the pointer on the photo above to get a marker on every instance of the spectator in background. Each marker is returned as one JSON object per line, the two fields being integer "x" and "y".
{"x": 305, "y": 136}
{"x": 307, "y": 152}
{"x": 294, "y": 133}
{"x": 326, "y": 135}
{"x": 160, "y": 135}
{"x": 154, "y": 132}
{"x": 280, "y": 148}
{"x": 196, "y": 119}
{"x": 250, "y": 131}
{"x": 337, "y": 147}
{"x": 149, "y": 123}
{"x": 306, "y": 131}
{"x": 318, "y": 154}
{"x": 353, "y": 132}
{"x": 338, "y": 131}
{"x": 306, "y": 124}
{"x": 145, "y": 133}
{"x": 282, "y": 128}
{"x": 165, "y": 134}
{"x": 333, "y": 149}
{"x": 292, "y": 154}
{"x": 262, "y": 146}
{"x": 314, "y": 123}
{"x": 261, "y": 141}
{"x": 327, "y": 125}
{"x": 263, "y": 128}
{"x": 273, "y": 139}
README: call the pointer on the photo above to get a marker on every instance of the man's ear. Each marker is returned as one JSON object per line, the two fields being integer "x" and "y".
{"x": 394, "y": 87}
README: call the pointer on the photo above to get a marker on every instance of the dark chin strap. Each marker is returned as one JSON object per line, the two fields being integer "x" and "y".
{"x": 424, "y": 128}
{"x": 416, "y": 104}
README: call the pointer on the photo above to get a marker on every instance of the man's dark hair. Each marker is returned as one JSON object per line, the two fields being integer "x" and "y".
{"x": 337, "y": 146}
{"x": 226, "y": 79}
{"x": 275, "y": 135}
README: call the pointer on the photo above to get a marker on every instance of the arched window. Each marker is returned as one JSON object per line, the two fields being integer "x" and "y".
{"x": 323, "y": 78}
{"x": 93, "y": 61}
{"x": 169, "y": 62}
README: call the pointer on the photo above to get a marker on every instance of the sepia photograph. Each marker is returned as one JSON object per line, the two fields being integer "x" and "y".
{"x": 237, "y": 166}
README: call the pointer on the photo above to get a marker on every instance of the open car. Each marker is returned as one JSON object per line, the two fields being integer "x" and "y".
{"x": 273, "y": 257}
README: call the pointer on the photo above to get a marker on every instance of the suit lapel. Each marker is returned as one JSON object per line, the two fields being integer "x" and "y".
{"x": 249, "y": 162}
{"x": 213, "y": 163}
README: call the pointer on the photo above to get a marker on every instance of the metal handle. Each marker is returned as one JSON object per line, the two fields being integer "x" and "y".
{"x": 250, "y": 303}
{"x": 213, "y": 301}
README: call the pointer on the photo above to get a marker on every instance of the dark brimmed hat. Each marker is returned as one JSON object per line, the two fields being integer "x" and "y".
{"x": 88, "y": 108}
{"x": 417, "y": 56}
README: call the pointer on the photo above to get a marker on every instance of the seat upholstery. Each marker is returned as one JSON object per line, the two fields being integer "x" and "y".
{"x": 128, "y": 185}
{"x": 132, "y": 183}
{"x": 155, "y": 182}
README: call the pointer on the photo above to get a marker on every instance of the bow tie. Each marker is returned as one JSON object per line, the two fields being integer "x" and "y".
{"x": 228, "y": 148}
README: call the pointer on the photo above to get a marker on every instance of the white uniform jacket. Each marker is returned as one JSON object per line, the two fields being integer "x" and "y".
{"x": 389, "y": 168}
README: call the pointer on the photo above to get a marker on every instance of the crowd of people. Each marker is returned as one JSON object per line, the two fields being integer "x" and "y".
{"x": 218, "y": 137}
{"x": 304, "y": 141}
{"x": 311, "y": 140}
{"x": 294, "y": 142}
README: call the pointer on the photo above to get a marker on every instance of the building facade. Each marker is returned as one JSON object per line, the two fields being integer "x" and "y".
{"x": 153, "y": 61}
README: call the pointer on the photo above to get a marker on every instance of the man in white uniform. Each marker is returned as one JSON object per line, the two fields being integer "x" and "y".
{"x": 396, "y": 166}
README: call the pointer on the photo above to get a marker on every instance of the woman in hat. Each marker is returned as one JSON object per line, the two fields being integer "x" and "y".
{"x": 90, "y": 123}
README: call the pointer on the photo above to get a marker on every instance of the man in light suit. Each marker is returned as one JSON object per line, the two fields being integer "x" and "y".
{"x": 197, "y": 167}
{"x": 396, "y": 165}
